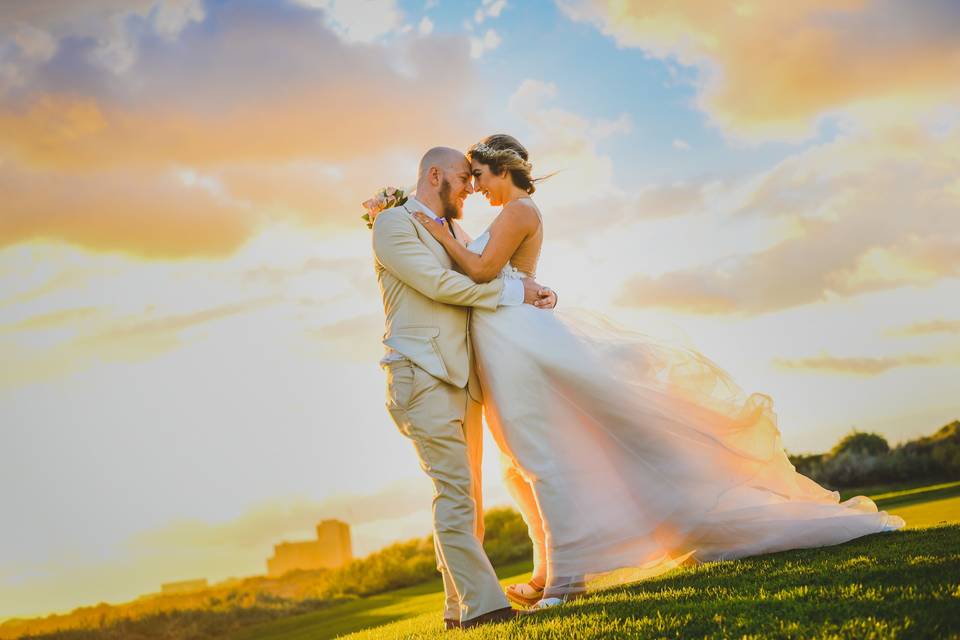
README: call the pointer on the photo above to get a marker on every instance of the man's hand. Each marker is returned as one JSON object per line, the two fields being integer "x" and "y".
{"x": 538, "y": 295}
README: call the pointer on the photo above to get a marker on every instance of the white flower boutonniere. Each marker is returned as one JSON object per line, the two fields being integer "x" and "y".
{"x": 385, "y": 198}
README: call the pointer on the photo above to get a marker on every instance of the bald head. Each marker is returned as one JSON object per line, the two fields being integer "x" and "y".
{"x": 444, "y": 181}
{"x": 443, "y": 158}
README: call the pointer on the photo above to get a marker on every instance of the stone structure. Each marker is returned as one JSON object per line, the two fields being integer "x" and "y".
{"x": 183, "y": 586}
{"x": 330, "y": 550}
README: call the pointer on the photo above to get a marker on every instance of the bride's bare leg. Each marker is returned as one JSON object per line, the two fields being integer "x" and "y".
{"x": 522, "y": 493}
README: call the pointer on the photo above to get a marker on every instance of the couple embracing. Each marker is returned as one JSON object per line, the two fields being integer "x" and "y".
{"x": 621, "y": 451}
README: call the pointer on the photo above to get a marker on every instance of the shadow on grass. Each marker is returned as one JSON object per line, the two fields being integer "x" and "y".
{"x": 901, "y": 584}
{"x": 919, "y": 497}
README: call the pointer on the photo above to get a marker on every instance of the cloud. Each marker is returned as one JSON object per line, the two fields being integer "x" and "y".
{"x": 856, "y": 366}
{"x": 683, "y": 145}
{"x": 113, "y": 29}
{"x": 571, "y": 144}
{"x": 265, "y": 524}
{"x": 359, "y": 21}
{"x": 52, "y": 320}
{"x": 173, "y": 118}
{"x": 70, "y": 309}
{"x": 927, "y": 328}
{"x": 819, "y": 57}
{"x": 867, "y": 212}
{"x": 56, "y": 343}
{"x": 489, "y": 9}
{"x": 488, "y": 42}
{"x": 561, "y": 136}
{"x": 425, "y": 27}
{"x": 170, "y": 326}
{"x": 201, "y": 140}
{"x": 33, "y": 43}
{"x": 155, "y": 216}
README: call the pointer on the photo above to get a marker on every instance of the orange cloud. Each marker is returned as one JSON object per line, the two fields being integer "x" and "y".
{"x": 269, "y": 115}
{"x": 154, "y": 216}
{"x": 926, "y": 328}
{"x": 332, "y": 123}
{"x": 65, "y": 317}
{"x": 769, "y": 70}
{"x": 856, "y": 366}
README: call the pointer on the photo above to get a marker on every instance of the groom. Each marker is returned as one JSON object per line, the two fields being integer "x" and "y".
{"x": 433, "y": 394}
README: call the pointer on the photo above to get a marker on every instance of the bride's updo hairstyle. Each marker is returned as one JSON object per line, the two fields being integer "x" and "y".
{"x": 502, "y": 153}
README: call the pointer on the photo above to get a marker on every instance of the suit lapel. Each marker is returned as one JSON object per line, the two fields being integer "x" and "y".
{"x": 428, "y": 239}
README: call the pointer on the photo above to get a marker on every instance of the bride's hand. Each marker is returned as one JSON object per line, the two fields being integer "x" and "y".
{"x": 435, "y": 228}
{"x": 547, "y": 298}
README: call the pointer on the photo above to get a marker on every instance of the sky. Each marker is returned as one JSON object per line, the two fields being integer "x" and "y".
{"x": 189, "y": 319}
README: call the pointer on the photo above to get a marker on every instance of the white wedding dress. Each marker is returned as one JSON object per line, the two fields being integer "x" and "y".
{"x": 626, "y": 451}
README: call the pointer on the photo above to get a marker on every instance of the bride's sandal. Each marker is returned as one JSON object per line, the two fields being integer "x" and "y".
{"x": 525, "y": 594}
{"x": 562, "y": 591}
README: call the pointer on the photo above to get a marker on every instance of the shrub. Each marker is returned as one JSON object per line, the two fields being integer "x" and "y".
{"x": 506, "y": 539}
{"x": 862, "y": 459}
{"x": 862, "y": 443}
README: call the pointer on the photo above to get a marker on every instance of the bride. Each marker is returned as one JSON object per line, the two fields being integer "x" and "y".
{"x": 623, "y": 451}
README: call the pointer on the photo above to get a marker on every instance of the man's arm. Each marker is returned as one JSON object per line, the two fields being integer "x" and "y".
{"x": 400, "y": 250}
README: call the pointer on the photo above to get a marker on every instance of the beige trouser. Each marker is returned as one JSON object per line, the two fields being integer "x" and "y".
{"x": 446, "y": 430}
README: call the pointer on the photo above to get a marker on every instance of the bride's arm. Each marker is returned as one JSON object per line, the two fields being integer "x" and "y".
{"x": 514, "y": 223}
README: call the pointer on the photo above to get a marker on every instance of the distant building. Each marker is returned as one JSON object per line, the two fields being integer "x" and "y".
{"x": 184, "y": 586}
{"x": 330, "y": 550}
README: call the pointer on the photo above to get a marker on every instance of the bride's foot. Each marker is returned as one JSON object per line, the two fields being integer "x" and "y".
{"x": 562, "y": 589}
{"x": 550, "y": 602}
{"x": 526, "y": 593}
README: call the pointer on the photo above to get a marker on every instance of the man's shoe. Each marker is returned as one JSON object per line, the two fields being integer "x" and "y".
{"x": 497, "y": 615}
{"x": 450, "y": 624}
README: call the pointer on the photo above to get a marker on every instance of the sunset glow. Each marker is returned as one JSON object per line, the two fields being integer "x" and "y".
{"x": 190, "y": 319}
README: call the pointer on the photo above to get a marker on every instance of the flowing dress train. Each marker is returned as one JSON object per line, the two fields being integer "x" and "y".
{"x": 628, "y": 451}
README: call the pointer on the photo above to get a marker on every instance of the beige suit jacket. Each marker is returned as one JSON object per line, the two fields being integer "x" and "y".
{"x": 426, "y": 303}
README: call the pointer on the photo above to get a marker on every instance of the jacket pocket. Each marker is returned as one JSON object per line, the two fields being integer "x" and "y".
{"x": 419, "y": 344}
{"x": 420, "y": 331}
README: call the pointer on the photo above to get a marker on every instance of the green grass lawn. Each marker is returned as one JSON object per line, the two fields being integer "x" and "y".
{"x": 923, "y": 506}
{"x": 894, "y": 585}
{"x": 364, "y": 613}
{"x": 903, "y": 584}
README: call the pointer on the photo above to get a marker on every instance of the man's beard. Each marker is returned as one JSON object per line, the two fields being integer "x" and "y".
{"x": 450, "y": 210}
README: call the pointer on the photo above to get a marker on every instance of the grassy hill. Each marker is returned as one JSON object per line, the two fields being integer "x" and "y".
{"x": 896, "y": 585}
